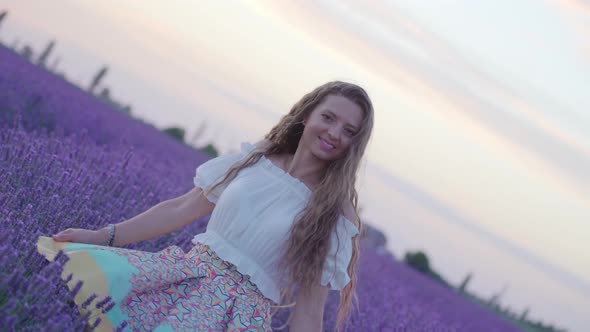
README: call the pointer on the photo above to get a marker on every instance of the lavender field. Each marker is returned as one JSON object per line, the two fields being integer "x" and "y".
{"x": 68, "y": 160}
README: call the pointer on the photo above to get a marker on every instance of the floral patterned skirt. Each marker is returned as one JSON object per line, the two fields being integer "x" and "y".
{"x": 169, "y": 290}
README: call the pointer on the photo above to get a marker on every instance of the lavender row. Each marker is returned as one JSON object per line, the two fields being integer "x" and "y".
{"x": 46, "y": 101}
{"x": 54, "y": 183}
{"x": 71, "y": 161}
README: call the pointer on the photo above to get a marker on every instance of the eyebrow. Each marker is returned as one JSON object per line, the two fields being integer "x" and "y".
{"x": 351, "y": 125}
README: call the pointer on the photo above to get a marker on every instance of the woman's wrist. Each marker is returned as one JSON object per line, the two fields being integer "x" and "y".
{"x": 102, "y": 235}
{"x": 106, "y": 235}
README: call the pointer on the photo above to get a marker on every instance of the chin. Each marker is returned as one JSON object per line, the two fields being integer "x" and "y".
{"x": 330, "y": 156}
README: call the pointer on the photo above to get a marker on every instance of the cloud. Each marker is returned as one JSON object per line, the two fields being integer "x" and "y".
{"x": 575, "y": 5}
{"x": 398, "y": 48}
{"x": 454, "y": 217}
{"x": 578, "y": 16}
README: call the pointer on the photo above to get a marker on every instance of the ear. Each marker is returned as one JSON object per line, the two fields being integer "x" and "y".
{"x": 305, "y": 118}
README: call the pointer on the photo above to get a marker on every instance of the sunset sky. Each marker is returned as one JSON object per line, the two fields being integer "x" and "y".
{"x": 480, "y": 153}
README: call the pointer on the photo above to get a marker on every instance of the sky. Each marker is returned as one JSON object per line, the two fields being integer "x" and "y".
{"x": 481, "y": 146}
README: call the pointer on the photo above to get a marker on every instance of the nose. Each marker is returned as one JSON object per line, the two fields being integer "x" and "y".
{"x": 331, "y": 134}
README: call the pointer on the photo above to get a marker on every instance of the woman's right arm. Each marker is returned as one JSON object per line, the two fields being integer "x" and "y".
{"x": 162, "y": 218}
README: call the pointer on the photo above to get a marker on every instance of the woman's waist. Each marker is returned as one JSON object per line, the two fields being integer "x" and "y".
{"x": 260, "y": 270}
{"x": 224, "y": 267}
{"x": 247, "y": 254}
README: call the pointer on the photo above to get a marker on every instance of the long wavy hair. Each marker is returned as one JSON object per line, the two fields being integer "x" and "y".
{"x": 308, "y": 242}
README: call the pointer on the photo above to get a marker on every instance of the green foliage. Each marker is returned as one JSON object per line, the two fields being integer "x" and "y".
{"x": 418, "y": 260}
{"x": 175, "y": 132}
{"x": 465, "y": 282}
{"x": 98, "y": 77}
{"x": 210, "y": 150}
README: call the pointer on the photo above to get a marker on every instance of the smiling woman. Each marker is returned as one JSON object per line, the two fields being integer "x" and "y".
{"x": 332, "y": 126}
{"x": 474, "y": 135}
{"x": 284, "y": 219}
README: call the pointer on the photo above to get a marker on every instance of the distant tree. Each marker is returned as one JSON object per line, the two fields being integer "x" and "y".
{"x": 418, "y": 260}
{"x": 210, "y": 150}
{"x": 105, "y": 94}
{"x": 42, "y": 61}
{"x": 27, "y": 52}
{"x": 524, "y": 314}
{"x": 97, "y": 78}
{"x": 465, "y": 282}
{"x": 175, "y": 132}
{"x": 62, "y": 75}
{"x": 126, "y": 109}
{"x": 3, "y": 15}
{"x": 54, "y": 64}
{"x": 495, "y": 298}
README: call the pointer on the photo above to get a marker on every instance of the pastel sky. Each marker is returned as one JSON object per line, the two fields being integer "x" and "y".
{"x": 481, "y": 150}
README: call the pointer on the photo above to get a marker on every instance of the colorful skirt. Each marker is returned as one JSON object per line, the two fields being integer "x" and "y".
{"x": 169, "y": 290}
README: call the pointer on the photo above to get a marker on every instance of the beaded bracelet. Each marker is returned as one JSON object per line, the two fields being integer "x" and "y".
{"x": 111, "y": 238}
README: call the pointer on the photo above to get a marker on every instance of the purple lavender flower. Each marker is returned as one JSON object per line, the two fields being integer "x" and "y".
{"x": 69, "y": 160}
{"x": 89, "y": 300}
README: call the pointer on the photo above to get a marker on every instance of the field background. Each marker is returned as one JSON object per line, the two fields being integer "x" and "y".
{"x": 480, "y": 152}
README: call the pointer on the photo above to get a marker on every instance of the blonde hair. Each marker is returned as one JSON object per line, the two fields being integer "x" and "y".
{"x": 309, "y": 237}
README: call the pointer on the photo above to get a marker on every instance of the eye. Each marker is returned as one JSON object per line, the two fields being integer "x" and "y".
{"x": 327, "y": 117}
{"x": 350, "y": 132}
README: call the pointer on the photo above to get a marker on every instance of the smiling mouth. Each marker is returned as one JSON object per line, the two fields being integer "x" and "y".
{"x": 328, "y": 145}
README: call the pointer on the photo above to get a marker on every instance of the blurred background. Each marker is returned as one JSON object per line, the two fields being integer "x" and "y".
{"x": 480, "y": 157}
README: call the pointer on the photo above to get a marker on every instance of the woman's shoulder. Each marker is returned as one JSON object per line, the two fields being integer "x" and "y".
{"x": 279, "y": 160}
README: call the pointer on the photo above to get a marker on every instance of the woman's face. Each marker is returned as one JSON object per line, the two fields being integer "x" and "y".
{"x": 331, "y": 126}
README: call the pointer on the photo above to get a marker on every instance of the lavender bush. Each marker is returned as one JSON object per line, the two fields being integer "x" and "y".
{"x": 68, "y": 160}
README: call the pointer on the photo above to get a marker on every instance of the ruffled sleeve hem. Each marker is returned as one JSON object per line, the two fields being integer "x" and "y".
{"x": 214, "y": 170}
{"x": 335, "y": 271}
{"x": 338, "y": 280}
{"x": 203, "y": 184}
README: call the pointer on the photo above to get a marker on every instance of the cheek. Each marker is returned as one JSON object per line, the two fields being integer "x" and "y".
{"x": 344, "y": 148}
{"x": 312, "y": 130}
{"x": 346, "y": 143}
{"x": 309, "y": 134}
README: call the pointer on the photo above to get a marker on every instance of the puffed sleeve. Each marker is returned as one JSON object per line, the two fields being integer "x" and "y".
{"x": 335, "y": 268}
{"x": 213, "y": 170}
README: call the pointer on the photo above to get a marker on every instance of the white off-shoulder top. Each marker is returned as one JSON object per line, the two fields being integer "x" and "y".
{"x": 252, "y": 218}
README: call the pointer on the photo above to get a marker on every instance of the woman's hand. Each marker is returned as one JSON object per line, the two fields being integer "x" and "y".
{"x": 79, "y": 235}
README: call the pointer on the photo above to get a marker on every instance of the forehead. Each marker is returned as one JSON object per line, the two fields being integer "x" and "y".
{"x": 342, "y": 107}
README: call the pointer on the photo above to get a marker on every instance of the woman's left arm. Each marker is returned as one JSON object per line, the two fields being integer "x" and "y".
{"x": 308, "y": 315}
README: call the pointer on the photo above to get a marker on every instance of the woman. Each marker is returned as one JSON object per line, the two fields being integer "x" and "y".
{"x": 284, "y": 220}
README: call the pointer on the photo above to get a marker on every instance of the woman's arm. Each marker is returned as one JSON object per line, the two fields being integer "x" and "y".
{"x": 162, "y": 218}
{"x": 308, "y": 315}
